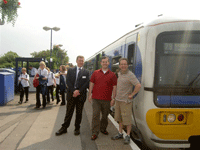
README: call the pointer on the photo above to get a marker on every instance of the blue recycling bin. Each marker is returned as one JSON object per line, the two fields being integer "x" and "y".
{"x": 6, "y": 87}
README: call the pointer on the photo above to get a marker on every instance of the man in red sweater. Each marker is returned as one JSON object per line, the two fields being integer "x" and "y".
{"x": 102, "y": 92}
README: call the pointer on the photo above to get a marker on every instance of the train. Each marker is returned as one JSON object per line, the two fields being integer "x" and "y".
{"x": 164, "y": 54}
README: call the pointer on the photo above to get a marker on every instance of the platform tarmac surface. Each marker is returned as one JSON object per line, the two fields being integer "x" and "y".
{"x": 22, "y": 127}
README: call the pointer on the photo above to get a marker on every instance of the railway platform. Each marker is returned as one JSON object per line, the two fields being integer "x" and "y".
{"x": 22, "y": 127}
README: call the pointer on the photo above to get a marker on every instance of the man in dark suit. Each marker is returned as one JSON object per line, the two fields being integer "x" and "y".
{"x": 77, "y": 82}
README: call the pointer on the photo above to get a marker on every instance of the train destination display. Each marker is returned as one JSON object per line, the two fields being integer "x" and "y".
{"x": 185, "y": 48}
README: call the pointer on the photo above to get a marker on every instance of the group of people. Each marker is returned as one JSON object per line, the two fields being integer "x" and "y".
{"x": 105, "y": 90}
{"x": 47, "y": 81}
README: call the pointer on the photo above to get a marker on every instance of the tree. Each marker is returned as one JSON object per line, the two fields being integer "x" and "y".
{"x": 8, "y": 60}
{"x": 59, "y": 56}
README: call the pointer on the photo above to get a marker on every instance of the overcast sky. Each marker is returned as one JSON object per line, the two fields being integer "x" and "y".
{"x": 87, "y": 26}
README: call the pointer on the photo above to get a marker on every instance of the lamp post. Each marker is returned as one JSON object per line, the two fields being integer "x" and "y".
{"x": 47, "y": 29}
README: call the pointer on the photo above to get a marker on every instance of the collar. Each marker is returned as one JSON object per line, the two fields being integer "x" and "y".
{"x": 42, "y": 69}
{"x": 124, "y": 72}
{"x": 79, "y": 67}
{"x": 106, "y": 71}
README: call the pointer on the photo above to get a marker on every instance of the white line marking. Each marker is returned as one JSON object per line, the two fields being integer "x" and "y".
{"x": 132, "y": 144}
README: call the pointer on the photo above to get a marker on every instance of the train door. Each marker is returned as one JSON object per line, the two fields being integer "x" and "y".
{"x": 131, "y": 42}
{"x": 130, "y": 53}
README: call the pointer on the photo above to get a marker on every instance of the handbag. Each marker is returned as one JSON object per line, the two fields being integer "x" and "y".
{"x": 36, "y": 81}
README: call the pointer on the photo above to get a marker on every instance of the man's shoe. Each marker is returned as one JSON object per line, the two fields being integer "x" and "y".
{"x": 20, "y": 102}
{"x": 104, "y": 132}
{"x": 127, "y": 140}
{"x": 61, "y": 131}
{"x": 94, "y": 137}
{"x": 62, "y": 104}
{"x": 76, "y": 132}
{"x": 48, "y": 102}
{"x": 117, "y": 137}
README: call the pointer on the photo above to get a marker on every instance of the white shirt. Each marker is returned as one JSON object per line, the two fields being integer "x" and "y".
{"x": 43, "y": 72}
{"x": 77, "y": 71}
{"x": 33, "y": 71}
{"x": 50, "y": 78}
{"x": 23, "y": 81}
{"x": 58, "y": 80}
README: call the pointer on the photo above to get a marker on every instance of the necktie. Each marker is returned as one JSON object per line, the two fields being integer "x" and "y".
{"x": 78, "y": 75}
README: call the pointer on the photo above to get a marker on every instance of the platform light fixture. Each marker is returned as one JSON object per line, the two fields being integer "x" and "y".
{"x": 47, "y": 29}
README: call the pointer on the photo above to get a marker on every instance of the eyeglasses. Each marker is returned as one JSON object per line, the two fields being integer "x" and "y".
{"x": 123, "y": 64}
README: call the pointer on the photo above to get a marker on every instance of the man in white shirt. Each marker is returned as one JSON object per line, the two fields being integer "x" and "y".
{"x": 24, "y": 78}
{"x": 33, "y": 71}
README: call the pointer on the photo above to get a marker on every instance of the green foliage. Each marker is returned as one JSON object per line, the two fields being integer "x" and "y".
{"x": 8, "y": 59}
{"x": 9, "y": 10}
{"x": 59, "y": 56}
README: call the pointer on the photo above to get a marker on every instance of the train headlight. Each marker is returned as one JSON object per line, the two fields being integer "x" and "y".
{"x": 171, "y": 117}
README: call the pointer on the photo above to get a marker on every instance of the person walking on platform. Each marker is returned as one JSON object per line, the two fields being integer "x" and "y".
{"x": 33, "y": 71}
{"x": 50, "y": 85}
{"x": 42, "y": 87}
{"x": 103, "y": 85}
{"x": 62, "y": 72}
{"x": 24, "y": 79}
{"x": 77, "y": 82}
{"x": 62, "y": 84}
{"x": 124, "y": 98}
{"x": 57, "y": 76}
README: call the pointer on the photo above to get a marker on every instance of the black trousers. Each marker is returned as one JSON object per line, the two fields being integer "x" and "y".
{"x": 50, "y": 91}
{"x": 57, "y": 92}
{"x": 26, "y": 91}
{"x": 63, "y": 97}
{"x": 73, "y": 102}
{"x": 38, "y": 103}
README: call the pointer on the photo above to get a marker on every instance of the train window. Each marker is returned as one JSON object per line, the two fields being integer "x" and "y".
{"x": 131, "y": 53}
{"x": 116, "y": 59}
{"x": 130, "y": 57}
{"x": 97, "y": 61}
{"x": 115, "y": 63}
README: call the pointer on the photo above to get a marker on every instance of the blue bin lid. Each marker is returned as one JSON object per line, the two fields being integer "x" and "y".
{"x": 5, "y": 73}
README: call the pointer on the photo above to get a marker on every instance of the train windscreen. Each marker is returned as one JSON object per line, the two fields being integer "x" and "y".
{"x": 178, "y": 59}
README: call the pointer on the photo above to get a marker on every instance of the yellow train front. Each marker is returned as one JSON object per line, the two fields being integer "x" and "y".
{"x": 166, "y": 112}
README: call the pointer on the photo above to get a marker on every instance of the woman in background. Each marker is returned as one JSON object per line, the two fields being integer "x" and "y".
{"x": 62, "y": 84}
{"x": 42, "y": 87}
{"x": 57, "y": 76}
{"x": 50, "y": 85}
{"x": 24, "y": 78}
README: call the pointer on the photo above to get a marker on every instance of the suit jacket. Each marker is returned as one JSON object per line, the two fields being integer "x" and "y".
{"x": 82, "y": 81}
